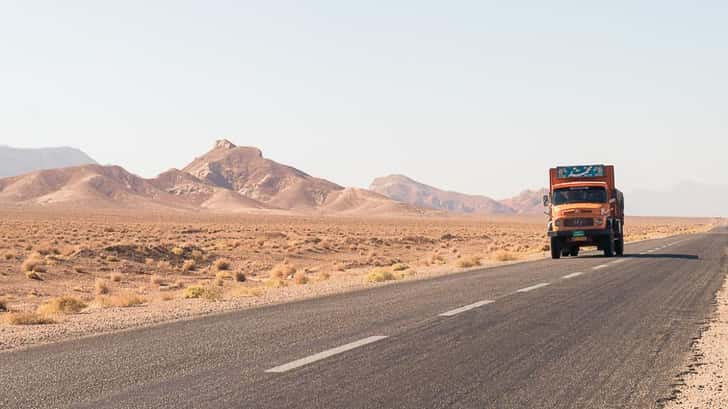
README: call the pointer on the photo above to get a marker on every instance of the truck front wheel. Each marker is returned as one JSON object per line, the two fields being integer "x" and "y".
{"x": 608, "y": 246}
{"x": 555, "y": 248}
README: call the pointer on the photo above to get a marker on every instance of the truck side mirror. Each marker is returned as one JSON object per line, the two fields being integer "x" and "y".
{"x": 545, "y": 200}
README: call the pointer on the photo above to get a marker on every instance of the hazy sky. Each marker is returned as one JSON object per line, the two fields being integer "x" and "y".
{"x": 475, "y": 96}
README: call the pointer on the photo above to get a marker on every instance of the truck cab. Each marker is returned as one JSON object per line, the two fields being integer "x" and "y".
{"x": 585, "y": 209}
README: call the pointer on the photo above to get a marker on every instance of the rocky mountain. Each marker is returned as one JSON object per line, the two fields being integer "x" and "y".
{"x": 18, "y": 161}
{"x": 244, "y": 170}
{"x": 86, "y": 186}
{"x": 406, "y": 190}
{"x": 227, "y": 179}
{"x": 527, "y": 202}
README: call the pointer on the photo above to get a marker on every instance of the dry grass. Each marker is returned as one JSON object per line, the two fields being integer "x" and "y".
{"x": 156, "y": 280}
{"x": 276, "y": 283}
{"x": 188, "y": 265}
{"x": 282, "y": 270}
{"x": 503, "y": 255}
{"x": 240, "y": 291}
{"x": 115, "y": 277}
{"x": 32, "y": 275}
{"x": 61, "y": 305}
{"x": 122, "y": 300}
{"x": 300, "y": 278}
{"x": 34, "y": 263}
{"x": 100, "y": 287}
{"x": 379, "y": 275}
{"x": 469, "y": 262}
{"x": 26, "y": 318}
{"x": 210, "y": 293}
{"x": 222, "y": 264}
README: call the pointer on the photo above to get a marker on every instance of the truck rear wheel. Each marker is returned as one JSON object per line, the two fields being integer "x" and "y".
{"x": 609, "y": 247}
{"x": 619, "y": 247}
{"x": 555, "y": 248}
{"x": 574, "y": 251}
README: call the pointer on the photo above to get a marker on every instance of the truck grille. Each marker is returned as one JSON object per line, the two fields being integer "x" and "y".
{"x": 579, "y": 222}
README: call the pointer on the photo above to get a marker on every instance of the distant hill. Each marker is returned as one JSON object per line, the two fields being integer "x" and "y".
{"x": 527, "y": 202}
{"x": 227, "y": 179}
{"x": 407, "y": 190}
{"x": 17, "y": 161}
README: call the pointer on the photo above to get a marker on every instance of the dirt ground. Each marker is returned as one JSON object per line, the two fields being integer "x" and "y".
{"x": 705, "y": 383}
{"x": 81, "y": 274}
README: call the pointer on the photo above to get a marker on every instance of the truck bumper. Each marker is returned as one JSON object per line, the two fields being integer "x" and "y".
{"x": 589, "y": 234}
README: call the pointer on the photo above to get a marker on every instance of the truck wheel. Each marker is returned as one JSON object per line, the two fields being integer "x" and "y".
{"x": 619, "y": 247}
{"x": 555, "y": 248}
{"x": 574, "y": 251}
{"x": 609, "y": 247}
{"x": 565, "y": 252}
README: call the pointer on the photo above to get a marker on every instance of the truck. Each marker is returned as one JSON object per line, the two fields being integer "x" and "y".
{"x": 585, "y": 209}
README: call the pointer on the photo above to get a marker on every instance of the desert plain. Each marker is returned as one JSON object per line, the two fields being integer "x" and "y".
{"x": 66, "y": 274}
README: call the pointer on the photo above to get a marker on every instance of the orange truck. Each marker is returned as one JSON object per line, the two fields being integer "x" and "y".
{"x": 585, "y": 209}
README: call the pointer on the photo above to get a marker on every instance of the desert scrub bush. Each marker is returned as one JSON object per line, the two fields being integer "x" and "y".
{"x": 220, "y": 278}
{"x": 240, "y": 291}
{"x": 222, "y": 264}
{"x": 26, "y": 318}
{"x": 503, "y": 255}
{"x": 282, "y": 270}
{"x": 379, "y": 275}
{"x": 188, "y": 266}
{"x": 32, "y": 275}
{"x": 122, "y": 300}
{"x": 100, "y": 287}
{"x": 156, "y": 280}
{"x": 178, "y": 251}
{"x": 239, "y": 276}
{"x": 3, "y": 305}
{"x": 300, "y": 278}
{"x": 468, "y": 262}
{"x": 8, "y": 256}
{"x": 115, "y": 277}
{"x": 206, "y": 292}
{"x": 436, "y": 259}
{"x": 275, "y": 283}
{"x": 34, "y": 262}
{"x": 61, "y": 305}
{"x": 400, "y": 267}
{"x": 324, "y": 276}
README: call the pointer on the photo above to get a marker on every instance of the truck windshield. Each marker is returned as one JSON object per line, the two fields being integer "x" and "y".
{"x": 584, "y": 194}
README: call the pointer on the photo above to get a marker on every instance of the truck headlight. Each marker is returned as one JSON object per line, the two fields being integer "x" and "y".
{"x": 599, "y": 221}
{"x": 559, "y": 222}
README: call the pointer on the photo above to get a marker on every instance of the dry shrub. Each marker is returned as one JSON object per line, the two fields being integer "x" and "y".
{"x": 282, "y": 270}
{"x": 188, "y": 266}
{"x": 300, "y": 278}
{"x": 122, "y": 300}
{"x": 100, "y": 287}
{"x": 380, "y": 275}
{"x": 436, "y": 259}
{"x": 222, "y": 264}
{"x": 178, "y": 251}
{"x": 32, "y": 275}
{"x": 115, "y": 277}
{"x": 26, "y": 318}
{"x": 206, "y": 292}
{"x": 61, "y": 305}
{"x": 324, "y": 276}
{"x": 3, "y": 305}
{"x": 276, "y": 283}
{"x": 35, "y": 263}
{"x": 399, "y": 267}
{"x": 239, "y": 276}
{"x": 469, "y": 262}
{"x": 241, "y": 291}
{"x": 156, "y": 280}
{"x": 8, "y": 256}
{"x": 503, "y": 255}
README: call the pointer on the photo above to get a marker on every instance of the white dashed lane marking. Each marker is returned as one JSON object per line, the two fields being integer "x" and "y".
{"x": 572, "y": 275}
{"x": 466, "y": 308}
{"x": 533, "y": 287}
{"x": 323, "y": 355}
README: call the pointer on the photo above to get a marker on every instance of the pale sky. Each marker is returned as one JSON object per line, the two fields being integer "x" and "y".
{"x": 475, "y": 96}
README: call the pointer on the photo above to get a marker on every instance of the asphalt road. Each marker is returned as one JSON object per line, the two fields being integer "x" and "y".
{"x": 587, "y": 332}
